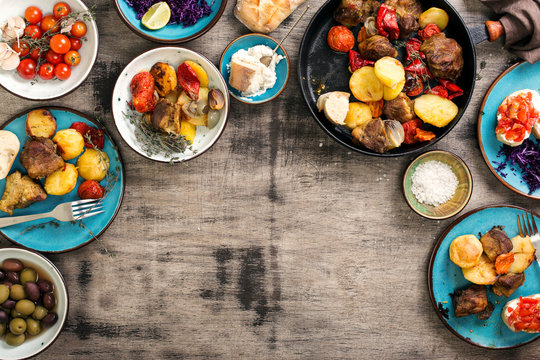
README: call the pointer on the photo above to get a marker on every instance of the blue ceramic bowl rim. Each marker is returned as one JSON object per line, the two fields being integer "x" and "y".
{"x": 469, "y": 176}
{"x": 286, "y": 58}
{"x": 430, "y": 275}
{"x": 120, "y": 201}
{"x": 201, "y": 32}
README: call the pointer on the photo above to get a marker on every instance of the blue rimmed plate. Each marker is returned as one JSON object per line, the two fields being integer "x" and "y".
{"x": 282, "y": 68}
{"x": 44, "y": 235}
{"x": 517, "y": 77}
{"x": 171, "y": 33}
{"x": 444, "y": 277}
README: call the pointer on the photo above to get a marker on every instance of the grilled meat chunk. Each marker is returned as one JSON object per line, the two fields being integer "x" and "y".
{"x": 407, "y": 25}
{"x": 20, "y": 192}
{"x": 353, "y": 12}
{"x": 372, "y": 135}
{"x": 401, "y": 108}
{"x": 376, "y": 47}
{"x": 444, "y": 56}
{"x": 406, "y": 7}
{"x": 470, "y": 301}
{"x": 39, "y": 158}
{"x": 486, "y": 313}
{"x": 507, "y": 284}
{"x": 495, "y": 242}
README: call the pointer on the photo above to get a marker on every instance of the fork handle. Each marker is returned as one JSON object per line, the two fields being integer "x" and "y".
{"x": 20, "y": 219}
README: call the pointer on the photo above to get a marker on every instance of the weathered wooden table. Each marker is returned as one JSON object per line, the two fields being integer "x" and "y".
{"x": 277, "y": 243}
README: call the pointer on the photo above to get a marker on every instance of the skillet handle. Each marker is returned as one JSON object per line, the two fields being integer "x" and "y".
{"x": 491, "y": 30}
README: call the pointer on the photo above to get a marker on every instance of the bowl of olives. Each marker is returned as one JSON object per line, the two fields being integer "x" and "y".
{"x": 33, "y": 303}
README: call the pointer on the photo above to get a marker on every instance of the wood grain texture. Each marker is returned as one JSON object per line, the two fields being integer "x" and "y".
{"x": 277, "y": 243}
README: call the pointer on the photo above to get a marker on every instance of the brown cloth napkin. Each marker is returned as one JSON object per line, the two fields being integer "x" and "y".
{"x": 521, "y": 21}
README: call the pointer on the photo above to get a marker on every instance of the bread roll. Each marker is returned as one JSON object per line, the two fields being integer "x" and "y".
{"x": 465, "y": 251}
{"x": 9, "y": 148}
{"x": 264, "y": 16}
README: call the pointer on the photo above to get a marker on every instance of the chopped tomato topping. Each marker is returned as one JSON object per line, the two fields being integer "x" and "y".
{"x": 518, "y": 116}
{"x": 526, "y": 315}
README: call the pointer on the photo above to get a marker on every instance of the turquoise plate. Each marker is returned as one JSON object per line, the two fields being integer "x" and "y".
{"x": 58, "y": 236}
{"x": 444, "y": 277}
{"x": 519, "y": 76}
{"x": 282, "y": 68}
{"x": 171, "y": 33}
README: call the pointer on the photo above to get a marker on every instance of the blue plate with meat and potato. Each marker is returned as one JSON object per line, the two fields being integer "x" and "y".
{"x": 496, "y": 266}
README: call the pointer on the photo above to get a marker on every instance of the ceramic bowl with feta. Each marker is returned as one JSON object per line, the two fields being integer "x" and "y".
{"x": 249, "y": 78}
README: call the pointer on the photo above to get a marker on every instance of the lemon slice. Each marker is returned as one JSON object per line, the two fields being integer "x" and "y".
{"x": 157, "y": 16}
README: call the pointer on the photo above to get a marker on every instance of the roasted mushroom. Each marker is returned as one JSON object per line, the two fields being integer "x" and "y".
{"x": 444, "y": 56}
{"x": 376, "y": 47}
{"x": 39, "y": 158}
{"x": 166, "y": 117}
{"x": 401, "y": 108}
{"x": 216, "y": 100}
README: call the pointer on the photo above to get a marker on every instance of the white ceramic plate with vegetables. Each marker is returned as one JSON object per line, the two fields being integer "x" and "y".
{"x": 140, "y": 129}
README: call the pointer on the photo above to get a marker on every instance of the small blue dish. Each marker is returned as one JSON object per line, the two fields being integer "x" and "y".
{"x": 517, "y": 77}
{"x": 171, "y": 33}
{"x": 444, "y": 277}
{"x": 58, "y": 236}
{"x": 282, "y": 68}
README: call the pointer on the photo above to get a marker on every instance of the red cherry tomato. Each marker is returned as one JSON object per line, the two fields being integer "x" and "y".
{"x": 21, "y": 48}
{"x": 53, "y": 57}
{"x": 76, "y": 44}
{"x": 46, "y": 71}
{"x": 72, "y": 58}
{"x": 49, "y": 23}
{"x": 27, "y": 69}
{"x": 60, "y": 44}
{"x": 90, "y": 189}
{"x": 61, "y": 9}
{"x": 36, "y": 54}
{"x": 33, "y": 31}
{"x": 33, "y": 14}
{"x": 62, "y": 71}
{"x": 78, "y": 29}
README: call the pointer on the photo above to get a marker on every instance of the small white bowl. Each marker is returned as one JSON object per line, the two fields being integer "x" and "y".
{"x": 205, "y": 137}
{"x": 36, "y": 344}
{"x": 40, "y": 89}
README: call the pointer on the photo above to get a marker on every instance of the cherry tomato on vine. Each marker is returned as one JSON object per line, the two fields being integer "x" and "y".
{"x": 46, "y": 71}
{"x": 36, "y": 54}
{"x": 61, "y": 9}
{"x": 78, "y": 29}
{"x": 60, "y": 44}
{"x": 21, "y": 48}
{"x": 72, "y": 58}
{"x": 33, "y": 31}
{"x": 76, "y": 44}
{"x": 53, "y": 57}
{"x": 33, "y": 14}
{"x": 48, "y": 23}
{"x": 62, "y": 71}
{"x": 27, "y": 69}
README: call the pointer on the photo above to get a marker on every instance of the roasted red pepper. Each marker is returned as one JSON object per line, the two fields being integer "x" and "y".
{"x": 90, "y": 189}
{"x": 188, "y": 80}
{"x": 414, "y": 85}
{"x": 412, "y": 47}
{"x": 356, "y": 61}
{"x": 92, "y": 136}
{"x": 424, "y": 135}
{"x": 439, "y": 90}
{"x": 453, "y": 89}
{"x": 387, "y": 22}
{"x": 410, "y": 131}
{"x": 142, "y": 90}
{"x": 419, "y": 68}
{"x": 428, "y": 31}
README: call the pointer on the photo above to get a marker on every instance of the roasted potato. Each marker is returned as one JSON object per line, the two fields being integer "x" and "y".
{"x": 465, "y": 251}
{"x": 435, "y": 110}
{"x": 524, "y": 254}
{"x": 69, "y": 143}
{"x": 358, "y": 114}
{"x": 435, "y": 16}
{"x": 62, "y": 181}
{"x": 40, "y": 123}
{"x": 365, "y": 85}
{"x": 483, "y": 273}
{"x": 199, "y": 71}
{"x": 392, "y": 93}
{"x": 390, "y": 71}
{"x": 164, "y": 78}
{"x": 188, "y": 130}
{"x": 93, "y": 165}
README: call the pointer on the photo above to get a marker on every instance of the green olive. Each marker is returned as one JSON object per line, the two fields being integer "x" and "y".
{"x": 3, "y": 328}
{"x": 17, "y": 326}
{"x": 32, "y": 326}
{"x": 15, "y": 340}
{"x": 28, "y": 274}
{"x": 16, "y": 314}
{"x": 39, "y": 312}
{"x": 25, "y": 307}
{"x": 17, "y": 292}
{"x": 4, "y": 293}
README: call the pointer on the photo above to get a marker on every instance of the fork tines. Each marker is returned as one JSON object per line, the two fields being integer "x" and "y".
{"x": 86, "y": 208}
{"x": 527, "y": 226}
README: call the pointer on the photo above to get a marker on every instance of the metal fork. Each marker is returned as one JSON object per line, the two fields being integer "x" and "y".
{"x": 69, "y": 211}
{"x": 530, "y": 229}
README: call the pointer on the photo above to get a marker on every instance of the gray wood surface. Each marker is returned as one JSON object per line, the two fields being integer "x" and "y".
{"x": 277, "y": 243}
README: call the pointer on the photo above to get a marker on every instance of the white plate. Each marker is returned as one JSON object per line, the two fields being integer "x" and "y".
{"x": 49, "y": 89}
{"x": 36, "y": 344}
{"x": 174, "y": 56}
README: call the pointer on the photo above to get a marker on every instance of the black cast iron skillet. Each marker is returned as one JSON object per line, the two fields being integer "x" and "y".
{"x": 322, "y": 70}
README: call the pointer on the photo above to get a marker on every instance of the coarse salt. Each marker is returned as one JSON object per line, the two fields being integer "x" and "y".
{"x": 434, "y": 183}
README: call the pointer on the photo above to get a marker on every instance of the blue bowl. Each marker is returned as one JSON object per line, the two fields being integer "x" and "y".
{"x": 282, "y": 68}
{"x": 171, "y": 33}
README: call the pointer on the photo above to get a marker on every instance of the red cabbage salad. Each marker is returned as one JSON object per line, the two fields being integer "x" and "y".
{"x": 525, "y": 157}
{"x": 185, "y": 12}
